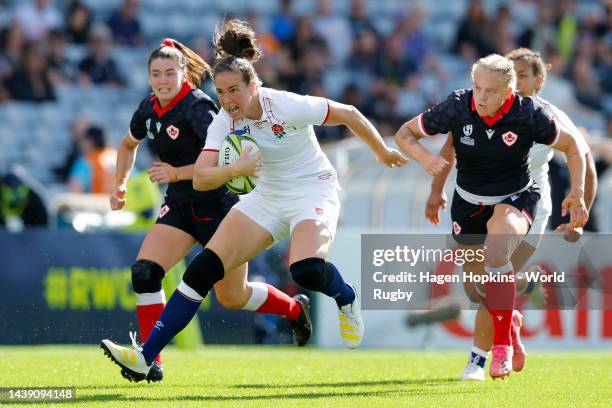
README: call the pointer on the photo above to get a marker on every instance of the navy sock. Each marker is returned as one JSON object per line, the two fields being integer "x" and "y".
{"x": 342, "y": 293}
{"x": 477, "y": 358}
{"x": 178, "y": 312}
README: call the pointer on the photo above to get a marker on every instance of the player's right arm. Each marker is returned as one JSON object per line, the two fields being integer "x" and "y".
{"x": 433, "y": 121}
{"x": 437, "y": 198}
{"x": 207, "y": 175}
{"x": 126, "y": 155}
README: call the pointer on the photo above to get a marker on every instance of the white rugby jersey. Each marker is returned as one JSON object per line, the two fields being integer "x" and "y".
{"x": 540, "y": 154}
{"x": 292, "y": 157}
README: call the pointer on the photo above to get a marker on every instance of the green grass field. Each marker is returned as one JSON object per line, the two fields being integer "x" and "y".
{"x": 283, "y": 376}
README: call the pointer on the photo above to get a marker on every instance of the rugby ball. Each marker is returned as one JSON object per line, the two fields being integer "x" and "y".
{"x": 231, "y": 148}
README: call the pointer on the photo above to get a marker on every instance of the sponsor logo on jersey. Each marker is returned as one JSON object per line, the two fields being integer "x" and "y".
{"x": 259, "y": 124}
{"x": 456, "y": 228}
{"x": 318, "y": 211}
{"x": 278, "y": 130}
{"x": 467, "y": 140}
{"x": 164, "y": 210}
{"x": 514, "y": 197}
{"x": 467, "y": 129}
{"x": 509, "y": 138}
{"x": 172, "y": 131}
{"x": 490, "y": 133}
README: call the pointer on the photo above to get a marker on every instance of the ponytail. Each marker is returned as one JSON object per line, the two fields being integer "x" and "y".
{"x": 194, "y": 66}
{"x": 236, "y": 50}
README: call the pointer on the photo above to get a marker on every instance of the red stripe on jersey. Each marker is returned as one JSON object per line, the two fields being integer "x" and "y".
{"x": 505, "y": 108}
{"x": 210, "y": 150}
{"x": 422, "y": 126}
{"x": 182, "y": 93}
{"x": 327, "y": 115}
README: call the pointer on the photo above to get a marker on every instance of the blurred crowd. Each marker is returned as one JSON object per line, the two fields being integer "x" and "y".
{"x": 384, "y": 73}
{"x": 391, "y": 68}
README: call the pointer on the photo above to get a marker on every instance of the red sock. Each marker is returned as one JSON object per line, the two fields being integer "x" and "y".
{"x": 147, "y": 317}
{"x": 499, "y": 301}
{"x": 275, "y": 302}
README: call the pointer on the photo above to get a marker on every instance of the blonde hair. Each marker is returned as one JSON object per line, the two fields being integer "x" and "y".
{"x": 499, "y": 65}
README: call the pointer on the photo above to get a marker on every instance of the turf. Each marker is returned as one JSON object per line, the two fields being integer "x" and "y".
{"x": 282, "y": 376}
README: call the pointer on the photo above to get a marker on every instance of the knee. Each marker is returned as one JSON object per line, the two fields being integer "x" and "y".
{"x": 230, "y": 299}
{"x": 203, "y": 272}
{"x": 311, "y": 274}
{"x": 147, "y": 276}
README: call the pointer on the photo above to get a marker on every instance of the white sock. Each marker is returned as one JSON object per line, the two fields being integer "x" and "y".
{"x": 259, "y": 294}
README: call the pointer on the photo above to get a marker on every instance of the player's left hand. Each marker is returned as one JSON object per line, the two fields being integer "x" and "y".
{"x": 571, "y": 234}
{"x": 577, "y": 210}
{"x": 391, "y": 158}
{"x": 163, "y": 173}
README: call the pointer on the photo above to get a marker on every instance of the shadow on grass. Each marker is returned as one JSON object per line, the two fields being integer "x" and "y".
{"x": 419, "y": 381}
{"x": 398, "y": 392}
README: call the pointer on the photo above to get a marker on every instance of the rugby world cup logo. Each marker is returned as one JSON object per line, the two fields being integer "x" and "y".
{"x": 467, "y": 130}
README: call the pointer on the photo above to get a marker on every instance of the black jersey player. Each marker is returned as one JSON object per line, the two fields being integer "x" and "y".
{"x": 495, "y": 198}
{"x": 175, "y": 119}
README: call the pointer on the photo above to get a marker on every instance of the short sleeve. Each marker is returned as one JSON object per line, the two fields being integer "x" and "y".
{"x": 200, "y": 116}
{"x": 215, "y": 133}
{"x": 138, "y": 130}
{"x": 439, "y": 117}
{"x": 544, "y": 129}
{"x": 299, "y": 110}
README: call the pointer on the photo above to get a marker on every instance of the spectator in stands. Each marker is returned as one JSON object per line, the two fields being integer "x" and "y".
{"x": 61, "y": 68}
{"x": 99, "y": 68}
{"x": 30, "y": 80}
{"x": 359, "y": 18}
{"x": 283, "y": 24}
{"x": 79, "y": 22}
{"x": 306, "y": 37}
{"x": 37, "y": 17}
{"x": 365, "y": 57}
{"x": 395, "y": 65}
{"x": 417, "y": 49}
{"x": 335, "y": 30}
{"x": 125, "y": 26}
{"x": 93, "y": 171}
{"x": 471, "y": 41}
{"x": 541, "y": 35}
{"x": 567, "y": 25}
{"x": 21, "y": 204}
{"x": 586, "y": 86}
{"x": 11, "y": 46}
{"x": 78, "y": 128}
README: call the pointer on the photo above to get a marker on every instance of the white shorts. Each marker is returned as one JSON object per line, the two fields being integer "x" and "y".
{"x": 543, "y": 212}
{"x": 279, "y": 213}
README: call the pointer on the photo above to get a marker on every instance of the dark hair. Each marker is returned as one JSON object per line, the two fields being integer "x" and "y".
{"x": 96, "y": 135}
{"x": 236, "y": 49}
{"x": 533, "y": 59}
{"x": 188, "y": 60}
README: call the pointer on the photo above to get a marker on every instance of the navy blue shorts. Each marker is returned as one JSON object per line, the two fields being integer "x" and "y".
{"x": 470, "y": 220}
{"x": 200, "y": 220}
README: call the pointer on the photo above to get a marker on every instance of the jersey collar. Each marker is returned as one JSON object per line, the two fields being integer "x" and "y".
{"x": 182, "y": 93}
{"x": 505, "y": 108}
